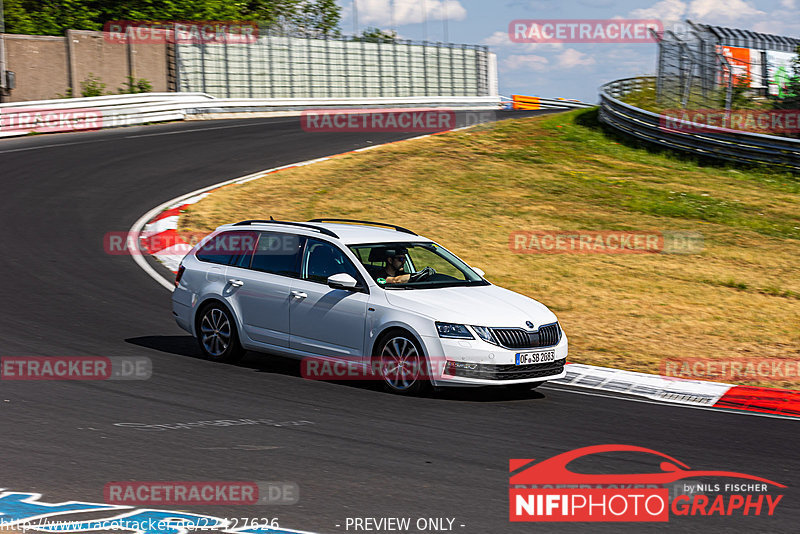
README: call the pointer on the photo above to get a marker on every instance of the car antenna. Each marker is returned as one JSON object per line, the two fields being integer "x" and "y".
{"x": 270, "y": 218}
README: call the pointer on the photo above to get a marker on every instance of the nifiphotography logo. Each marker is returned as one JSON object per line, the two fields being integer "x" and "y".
{"x": 549, "y": 491}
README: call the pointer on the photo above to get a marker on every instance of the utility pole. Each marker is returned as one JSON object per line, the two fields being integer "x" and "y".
{"x": 444, "y": 20}
{"x": 355, "y": 18}
{"x": 2, "y": 55}
{"x": 424, "y": 21}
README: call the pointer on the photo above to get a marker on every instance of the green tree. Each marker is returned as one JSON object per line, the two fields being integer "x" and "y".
{"x": 320, "y": 17}
{"x": 17, "y": 19}
{"x": 169, "y": 10}
{"x": 376, "y": 35}
{"x": 51, "y": 17}
{"x": 54, "y": 17}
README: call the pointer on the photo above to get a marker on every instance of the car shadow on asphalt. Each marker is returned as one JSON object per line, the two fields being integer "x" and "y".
{"x": 273, "y": 364}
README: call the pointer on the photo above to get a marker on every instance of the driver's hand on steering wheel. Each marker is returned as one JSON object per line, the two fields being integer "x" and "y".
{"x": 424, "y": 274}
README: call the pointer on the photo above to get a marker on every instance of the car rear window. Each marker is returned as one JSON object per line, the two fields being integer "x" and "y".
{"x": 227, "y": 248}
{"x": 278, "y": 253}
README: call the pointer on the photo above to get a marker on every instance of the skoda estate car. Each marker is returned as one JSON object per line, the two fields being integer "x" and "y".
{"x": 375, "y": 295}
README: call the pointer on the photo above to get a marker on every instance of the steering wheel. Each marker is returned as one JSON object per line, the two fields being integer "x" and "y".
{"x": 422, "y": 275}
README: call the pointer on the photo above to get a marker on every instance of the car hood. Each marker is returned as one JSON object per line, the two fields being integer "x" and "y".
{"x": 477, "y": 305}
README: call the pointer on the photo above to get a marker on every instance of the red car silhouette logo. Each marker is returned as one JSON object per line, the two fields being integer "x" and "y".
{"x": 554, "y": 470}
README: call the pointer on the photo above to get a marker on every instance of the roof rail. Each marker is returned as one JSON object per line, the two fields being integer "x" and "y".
{"x": 398, "y": 228}
{"x": 287, "y": 223}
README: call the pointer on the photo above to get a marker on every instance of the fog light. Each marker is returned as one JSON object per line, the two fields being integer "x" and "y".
{"x": 452, "y": 368}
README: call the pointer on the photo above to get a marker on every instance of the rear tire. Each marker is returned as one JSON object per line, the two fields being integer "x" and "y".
{"x": 217, "y": 335}
{"x": 401, "y": 364}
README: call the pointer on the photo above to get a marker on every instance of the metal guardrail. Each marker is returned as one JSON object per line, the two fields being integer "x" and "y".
{"x": 126, "y": 110}
{"x": 561, "y": 103}
{"x": 743, "y": 147}
{"x": 521, "y": 102}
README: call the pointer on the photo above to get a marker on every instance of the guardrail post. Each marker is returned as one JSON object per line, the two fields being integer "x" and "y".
{"x": 129, "y": 54}
{"x": 71, "y": 72}
{"x": 203, "y": 62}
{"x": 380, "y": 67}
{"x": 271, "y": 64}
{"x": 291, "y": 64}
{"x": 227, "y": 64}
{"x": 328, "y": 69}
{"x": 248, "y": 46}
{"x": 364, "y": 86}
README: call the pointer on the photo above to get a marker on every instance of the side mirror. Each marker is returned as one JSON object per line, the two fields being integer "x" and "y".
{"x": 479, "y": 271}
{"x": 342, "y": 281}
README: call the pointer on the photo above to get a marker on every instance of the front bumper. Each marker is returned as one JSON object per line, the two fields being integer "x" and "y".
{"x": 485, "y": 364}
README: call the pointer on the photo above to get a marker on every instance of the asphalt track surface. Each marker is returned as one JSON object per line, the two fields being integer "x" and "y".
{"x": 365, "y": 453}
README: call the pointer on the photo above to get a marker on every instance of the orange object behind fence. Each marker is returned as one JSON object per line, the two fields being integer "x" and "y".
{"x": 525, "y": 102}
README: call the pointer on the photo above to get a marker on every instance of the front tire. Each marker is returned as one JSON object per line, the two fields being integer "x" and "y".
{"x": 216, "y": 334}
{"x": 402, "y": 365}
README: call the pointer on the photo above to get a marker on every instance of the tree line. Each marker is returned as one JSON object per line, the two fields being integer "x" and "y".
{"x": 54, "y": 17}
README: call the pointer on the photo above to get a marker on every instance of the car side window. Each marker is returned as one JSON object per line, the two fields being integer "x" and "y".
{"x": 228, "y": 248}
{"x": 322, "y": 259}
{"x": 278, "y": 253}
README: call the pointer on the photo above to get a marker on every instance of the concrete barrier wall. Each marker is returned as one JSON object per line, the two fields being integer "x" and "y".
{"x": 47, "y": 66}
{"x": 271, "y": 67}
{"x": 41, "y": 66}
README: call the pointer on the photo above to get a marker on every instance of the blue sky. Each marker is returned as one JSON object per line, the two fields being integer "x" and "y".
{"x": 563, "y": 70}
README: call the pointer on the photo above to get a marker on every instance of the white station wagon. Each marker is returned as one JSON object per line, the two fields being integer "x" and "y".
{"x": 370, "y": 294}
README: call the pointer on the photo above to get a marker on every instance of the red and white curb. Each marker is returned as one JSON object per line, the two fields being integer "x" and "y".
{"x": 757, "y": 400}
{"x": 156, "y": 233}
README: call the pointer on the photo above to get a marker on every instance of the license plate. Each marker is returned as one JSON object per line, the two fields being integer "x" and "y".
{"x": 527, "y": 358}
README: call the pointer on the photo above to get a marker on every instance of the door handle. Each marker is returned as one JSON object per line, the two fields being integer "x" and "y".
{"x": 299, "y": 294}
{"x": 236, "y": 283}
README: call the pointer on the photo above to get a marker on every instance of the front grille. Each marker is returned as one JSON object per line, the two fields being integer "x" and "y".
{"x": 516, "y": 338}
{"x": 511, "y": 372}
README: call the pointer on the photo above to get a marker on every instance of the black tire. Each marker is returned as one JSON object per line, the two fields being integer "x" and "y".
{"x": 400, "y": 364}
{"x": 217, "y": 335}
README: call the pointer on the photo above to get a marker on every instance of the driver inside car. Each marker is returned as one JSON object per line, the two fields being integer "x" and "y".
{"x": 393, "y": 271}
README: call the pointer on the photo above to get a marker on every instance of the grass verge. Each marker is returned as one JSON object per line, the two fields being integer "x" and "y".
{"x": 468, "y": 190}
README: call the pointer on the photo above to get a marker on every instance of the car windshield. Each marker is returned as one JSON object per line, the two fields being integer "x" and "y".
{"x": 415, "y": 266}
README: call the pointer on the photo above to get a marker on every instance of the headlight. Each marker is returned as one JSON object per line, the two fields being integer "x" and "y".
{"x": 485, "y": 334}
{"x": 455, "y": 331}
